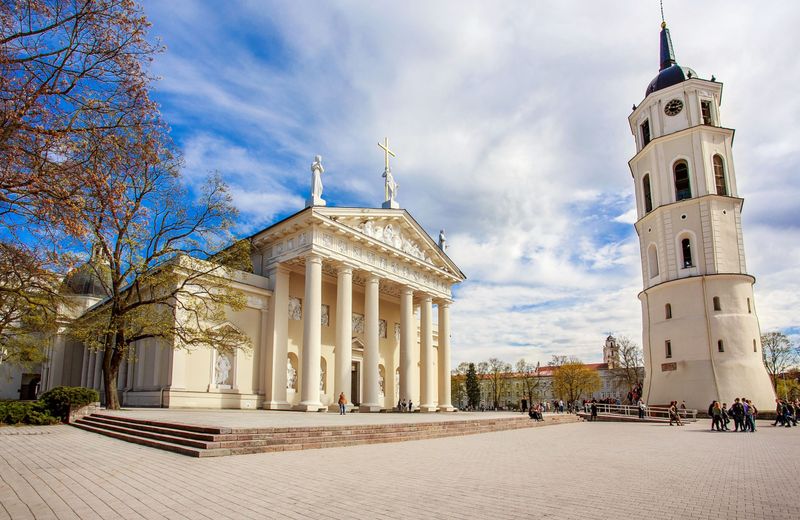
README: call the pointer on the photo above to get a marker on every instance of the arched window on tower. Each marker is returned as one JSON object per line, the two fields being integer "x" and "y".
{"x": 686, "y": 249}
{"x": 648, "y": 197}
{"x": 668, "y": 311}
{"x": 719, "y": 175}
{"x": 683, "y": 189}
{"x": 652, "y": 260}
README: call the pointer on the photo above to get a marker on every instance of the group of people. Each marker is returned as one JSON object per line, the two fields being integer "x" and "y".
{"x": 535, "y": 412}
{"x": 743, "y": 413}
{"x": 786, "y": 412}
{"x": 406, "y": 406}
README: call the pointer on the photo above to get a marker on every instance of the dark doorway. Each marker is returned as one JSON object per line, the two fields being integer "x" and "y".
{"x": 29, "y": 387}
{"x": 355, "y": 378}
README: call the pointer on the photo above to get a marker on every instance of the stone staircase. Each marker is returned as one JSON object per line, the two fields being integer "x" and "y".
{"x": 211, "y": 441}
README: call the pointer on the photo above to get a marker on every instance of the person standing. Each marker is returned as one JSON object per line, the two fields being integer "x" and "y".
{"x": 594, "y": 410}
{"x": 716, "y": 416}
{"x": 642, "y": 408}
{"x": 750, "y": 417}
{"x": 737, "y": 410}
{"x": 725, "y": 417}
{"x": 342, "y": 403}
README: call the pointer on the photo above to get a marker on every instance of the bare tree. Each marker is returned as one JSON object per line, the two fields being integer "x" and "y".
{"x": 779, "y": 354}
{"x": 628, "y": 370}
{"x": 498, "y": 372}
{"x": 528, "y": 373}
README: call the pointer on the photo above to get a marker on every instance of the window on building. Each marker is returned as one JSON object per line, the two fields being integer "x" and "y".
{"x": 648, "y": 197}
{"x": 720, "y": 346}
{"x": 668, "y": 348}
{"x": 645, "y": 132}
{"x": 719, "y": 175}
{"x": 652, "y": 260}
{"x": 755, "y": 349}
{"x": 705, "y": 110}
{"x": 686, "y": 249}
{"x": 749, "y": 309}
{"x": 717, "y": 305}
{"x": 668, "y": 311}
{"x": 683, "y": 190}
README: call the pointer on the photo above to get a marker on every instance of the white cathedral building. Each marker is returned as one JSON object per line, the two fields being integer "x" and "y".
{"x": 340, "y": 300}
{"x": 701, "y": 334}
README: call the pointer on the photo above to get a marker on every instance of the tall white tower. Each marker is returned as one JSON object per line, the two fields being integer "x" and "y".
{"x": 700, "y": 331}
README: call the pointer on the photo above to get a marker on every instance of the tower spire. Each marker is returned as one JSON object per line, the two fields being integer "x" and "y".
{"x": 667, "y": 52}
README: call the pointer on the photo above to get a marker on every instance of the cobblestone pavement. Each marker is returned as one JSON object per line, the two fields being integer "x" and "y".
{"x": 582, "y": 470}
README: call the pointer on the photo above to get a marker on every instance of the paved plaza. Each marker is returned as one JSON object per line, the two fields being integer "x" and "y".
{"x": 580, "y": 470}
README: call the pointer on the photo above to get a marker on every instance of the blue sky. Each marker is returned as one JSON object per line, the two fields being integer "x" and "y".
{"x": 509, "y": 121}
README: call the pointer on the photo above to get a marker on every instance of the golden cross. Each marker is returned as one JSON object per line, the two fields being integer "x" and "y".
{"x": 386, "y": 151}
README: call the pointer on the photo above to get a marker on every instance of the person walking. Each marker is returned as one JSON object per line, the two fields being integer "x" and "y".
{"x": 725, "y": 417}
{"x": 674, "y": 416}
{"x": 342, "y": 403}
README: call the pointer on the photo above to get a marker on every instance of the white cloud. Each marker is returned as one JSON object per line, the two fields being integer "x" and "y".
{"x": 509, "y": 122}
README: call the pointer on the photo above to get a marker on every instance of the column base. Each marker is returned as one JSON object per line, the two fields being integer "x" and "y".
{"x": 448, "y": 408}
{"x": 370, "y": 408}
{"x": 276, "y": 405}
{"x": 309, "y": 407}
{"x": 428, "y": 408}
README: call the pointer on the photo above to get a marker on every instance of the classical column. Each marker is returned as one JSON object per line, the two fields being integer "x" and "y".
{"x": 277, "y": 347}
{"x": 445, "y": 404}
{"x": 312, "y": 318}
{"x": 371, "y": 354}
{"x": 407, "y": 339}
{"x": 85, "y": 367}
{"x": 343, "y": 355}
{"x": 426, "y": 356}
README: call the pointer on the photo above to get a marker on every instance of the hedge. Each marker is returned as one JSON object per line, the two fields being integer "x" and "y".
{"x": 61, "y": 399}
{"x": 53, "y": 406}
{"x": 25, "y": 412}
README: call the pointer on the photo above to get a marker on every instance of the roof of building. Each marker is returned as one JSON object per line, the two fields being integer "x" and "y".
{"x": 670, "y": 73}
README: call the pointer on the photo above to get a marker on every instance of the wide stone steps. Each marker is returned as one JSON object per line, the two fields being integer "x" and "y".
{"x": 209, "y": 441}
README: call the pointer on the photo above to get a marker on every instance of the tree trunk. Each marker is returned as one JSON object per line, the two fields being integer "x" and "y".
{"x": 111, "y": 363}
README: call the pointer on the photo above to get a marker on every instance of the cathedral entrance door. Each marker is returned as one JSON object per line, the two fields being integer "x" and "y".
{"x": 355, "y": 379}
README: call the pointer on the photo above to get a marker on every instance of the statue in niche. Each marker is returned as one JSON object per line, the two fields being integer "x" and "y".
{"x": 295, "y": 309}
{"x": 382, "y": 328}
{"x": 397, "y": 332}
{"x": 316, "y": 183}
{"x": 325, "y": 315}
{"x": 388, "y": 234}
{"x": 321, "y": 380}
{"x": 291, "y": 376}
{"x": 381, "y": 384}
{"x": 223, "y": 366}
{"x": 397, "y": 384}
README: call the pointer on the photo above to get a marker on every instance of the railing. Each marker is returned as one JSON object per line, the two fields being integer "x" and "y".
{"x": 656, "y": 412}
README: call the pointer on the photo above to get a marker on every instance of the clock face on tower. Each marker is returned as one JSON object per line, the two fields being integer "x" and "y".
{"x": 673, "y": 107}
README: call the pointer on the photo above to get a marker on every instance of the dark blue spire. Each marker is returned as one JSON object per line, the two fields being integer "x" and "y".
{"x": 667, "y": 52}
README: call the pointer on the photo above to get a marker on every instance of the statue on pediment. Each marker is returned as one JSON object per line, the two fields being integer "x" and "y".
{"x": 316, "y": 183}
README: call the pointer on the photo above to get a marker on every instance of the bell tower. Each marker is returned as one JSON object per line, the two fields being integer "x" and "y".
{"x": 700, "y": 333}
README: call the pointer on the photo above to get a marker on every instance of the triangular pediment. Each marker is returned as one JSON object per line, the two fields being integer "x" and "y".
{"x": 394, "y": 228}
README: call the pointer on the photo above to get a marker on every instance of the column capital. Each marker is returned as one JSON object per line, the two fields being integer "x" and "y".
{"x": 277, "y": 268}
{"x": 406, "y": 290}
{"x": 443, "y": 302}
{"x": 313, "y": 257}
{"x": 345, "y": 267}
{"x": 371, "y": 277}
{"x": 426, "y": 298}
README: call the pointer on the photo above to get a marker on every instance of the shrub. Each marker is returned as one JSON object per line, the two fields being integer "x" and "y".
{"x": 25, "y": 412}
{"x": 61, "y": 399}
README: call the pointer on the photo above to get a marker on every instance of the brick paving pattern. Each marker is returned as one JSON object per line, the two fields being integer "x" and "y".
{"x": 582, "y": 470}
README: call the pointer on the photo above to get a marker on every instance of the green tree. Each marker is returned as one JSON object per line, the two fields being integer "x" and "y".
{"x": 779, "y": 354}
{"x": 572, "y": 380}
{"x": 473, "y": 387}
{"x": 458, "y": 388}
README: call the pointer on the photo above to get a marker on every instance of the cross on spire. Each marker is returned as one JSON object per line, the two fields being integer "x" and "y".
{"x": 386, "y": 151}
